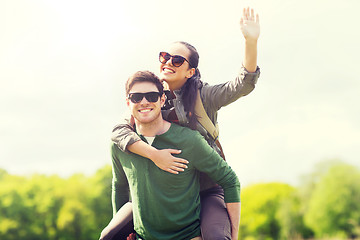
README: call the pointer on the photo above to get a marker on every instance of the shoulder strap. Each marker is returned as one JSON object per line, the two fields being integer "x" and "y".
{"x": 204, "y": 118}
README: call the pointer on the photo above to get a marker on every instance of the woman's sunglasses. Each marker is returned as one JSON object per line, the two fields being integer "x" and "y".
{"x": 176, "y": 60}
{"x": 150, "y": 97}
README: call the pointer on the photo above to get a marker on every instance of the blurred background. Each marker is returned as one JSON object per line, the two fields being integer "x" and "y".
{"x": 63, "y": 65}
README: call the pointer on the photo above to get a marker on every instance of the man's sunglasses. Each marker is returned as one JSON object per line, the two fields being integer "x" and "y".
{"x": 176, "y": 60}
{"x": 150, "y": 97}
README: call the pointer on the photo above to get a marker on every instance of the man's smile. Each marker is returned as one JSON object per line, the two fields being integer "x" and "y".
{"x": 145, "y": 110}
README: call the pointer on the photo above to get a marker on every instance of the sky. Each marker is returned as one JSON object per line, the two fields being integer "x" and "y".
{"x": 63, "y": 66}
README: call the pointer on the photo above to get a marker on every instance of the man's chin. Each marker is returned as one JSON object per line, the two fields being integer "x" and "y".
{"x": 144, "y": 120}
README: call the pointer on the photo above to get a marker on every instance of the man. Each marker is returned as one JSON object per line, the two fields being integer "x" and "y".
{"x": 165, "y": 205}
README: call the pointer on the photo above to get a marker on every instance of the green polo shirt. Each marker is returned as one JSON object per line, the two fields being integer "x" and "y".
{"x": 166, "y": 205}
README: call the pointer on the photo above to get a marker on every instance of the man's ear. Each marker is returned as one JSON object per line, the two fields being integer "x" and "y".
{"x": 162, "y": 99}
{"x": 127, "y": 102}
{"x": 191, "y": 73}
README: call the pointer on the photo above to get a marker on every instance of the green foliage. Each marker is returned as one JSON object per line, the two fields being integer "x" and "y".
{"x": 43, "y": 207}
{"x": 49, "y": 207}
{"x": 260, "y": 203}
{"x": 334, "y": 208}
{"x": 290, "y": 215}
{"x": 326, "y": 205}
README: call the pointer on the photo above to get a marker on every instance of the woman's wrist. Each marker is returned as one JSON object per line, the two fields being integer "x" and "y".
{"x": 151, "y": 153}
{"x": 143, "y": 149}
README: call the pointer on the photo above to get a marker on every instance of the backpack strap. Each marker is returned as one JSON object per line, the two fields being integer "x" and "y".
{"x": 204, "y": 119}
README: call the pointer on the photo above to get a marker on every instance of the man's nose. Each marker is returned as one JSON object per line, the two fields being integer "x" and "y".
{"x": 144, "y": 101}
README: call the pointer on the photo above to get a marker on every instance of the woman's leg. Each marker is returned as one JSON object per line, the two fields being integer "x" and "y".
{"x": 214, "y": 218}
{"x": 124, "y": 232}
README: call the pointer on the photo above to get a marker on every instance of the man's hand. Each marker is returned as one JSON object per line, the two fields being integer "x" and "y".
{"x": 167, "y": 162}
{"x": 249, "y": 25}
{"x": 234, "y": 215}
{"x": 132, "y": 236}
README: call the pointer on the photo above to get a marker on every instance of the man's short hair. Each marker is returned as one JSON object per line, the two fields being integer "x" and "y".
{"x": 143, "y": 76}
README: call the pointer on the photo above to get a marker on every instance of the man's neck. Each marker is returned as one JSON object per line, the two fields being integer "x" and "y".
{"x": 156, "y": 127}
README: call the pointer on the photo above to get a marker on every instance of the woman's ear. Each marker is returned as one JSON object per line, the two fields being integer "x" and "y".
{"x": 165, "y": 85}
{"x": 190, "y": 73}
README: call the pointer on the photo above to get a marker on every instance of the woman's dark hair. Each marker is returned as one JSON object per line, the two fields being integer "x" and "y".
{"x": 190, "y": 88}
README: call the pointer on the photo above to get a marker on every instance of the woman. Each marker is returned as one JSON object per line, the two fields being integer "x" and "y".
{"x": 178, "y": 69}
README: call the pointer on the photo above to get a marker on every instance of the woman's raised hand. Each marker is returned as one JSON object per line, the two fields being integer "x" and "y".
{"x": 249, "y": 24}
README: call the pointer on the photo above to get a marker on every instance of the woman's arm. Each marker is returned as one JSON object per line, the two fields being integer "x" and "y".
{"x": 216, "y": 96}
{"x": 250, "y": 28}
{"x": 123, "y": 134}
{"x": 126, "y": 139}
{"x": 162, "y": 158}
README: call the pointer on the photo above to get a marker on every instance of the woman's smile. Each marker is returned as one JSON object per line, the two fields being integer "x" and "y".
{"x": 168, "y": 70}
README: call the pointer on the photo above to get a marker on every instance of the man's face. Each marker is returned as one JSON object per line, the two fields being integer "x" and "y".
{"x": 145, "y": 111}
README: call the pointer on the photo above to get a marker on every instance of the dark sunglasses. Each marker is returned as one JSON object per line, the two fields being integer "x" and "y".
{"x": 150, "y": 97}
{"x": 176, "y": 60}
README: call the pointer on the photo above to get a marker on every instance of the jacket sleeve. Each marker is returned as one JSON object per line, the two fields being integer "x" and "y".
{"x": 120, "y": 186}
{"x": 124, "y": 135}
{"x": 216, "y": 96}
{"x": 210, "y": 162}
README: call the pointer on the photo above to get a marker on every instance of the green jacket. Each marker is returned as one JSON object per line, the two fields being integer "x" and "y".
{"x": 165, "y": 205}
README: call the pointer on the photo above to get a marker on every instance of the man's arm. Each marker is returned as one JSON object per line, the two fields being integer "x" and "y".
{"x": 234, "y": 214}
{"x": 120, "y": 186}
{"x": 207, "y": 160}
{"x": 210, "y": 162}
{"x": 122, "y": 209}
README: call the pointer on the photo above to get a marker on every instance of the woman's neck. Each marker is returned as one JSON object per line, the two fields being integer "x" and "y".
{"x": 176, "y": 85}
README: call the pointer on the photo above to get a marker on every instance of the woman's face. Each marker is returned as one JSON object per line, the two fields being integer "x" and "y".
{"x": 176, "y": 77}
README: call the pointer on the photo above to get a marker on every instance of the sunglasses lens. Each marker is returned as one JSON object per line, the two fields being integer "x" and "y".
{"x": 177, "y": 61}
{"x": 136, "y": 97}
{"x": 164, "y": 57}
{"x": 150, "y": 97}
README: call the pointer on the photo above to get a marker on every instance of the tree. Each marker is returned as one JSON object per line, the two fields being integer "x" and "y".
{"x": 334, "y": 208}
{"x": 100, "y": 197}
{"x": 260, "y": 203}
{"x": 3, "y": 173}
{"x": 13, "y": 212}
{"x": 290, "y": 215}
{"x": 43, "y": 207}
